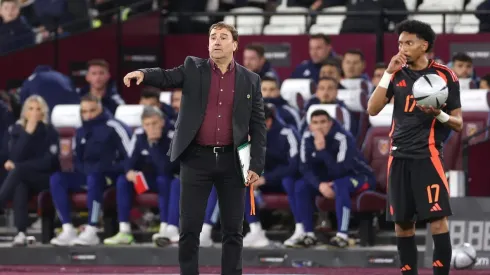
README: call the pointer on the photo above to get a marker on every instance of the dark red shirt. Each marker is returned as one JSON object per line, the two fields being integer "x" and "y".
{"x": 216, "y": 128}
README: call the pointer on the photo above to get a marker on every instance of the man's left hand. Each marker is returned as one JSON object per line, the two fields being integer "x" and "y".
{"x": 430, "y": 110}
{"x": 252, "y": 178}
{"x": 326, "y": 189}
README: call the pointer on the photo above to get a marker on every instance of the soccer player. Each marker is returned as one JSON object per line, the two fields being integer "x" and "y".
{"x": 101, "y": 147}
{"x": 149, "y": 156}
{"x": 417, "y": 187}
{"x": 333, "y": 167}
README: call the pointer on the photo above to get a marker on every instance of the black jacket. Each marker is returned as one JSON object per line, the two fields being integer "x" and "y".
{"x": 194, "y": 77}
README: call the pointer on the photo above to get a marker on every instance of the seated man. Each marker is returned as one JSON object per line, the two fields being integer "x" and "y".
{"x": 100, "y": 149}
{"x": 151, "y": 97}
{"x": 281, "y": 170}
{"x": 149, "y": 156}
{"x": 333, "y": 167}
{"x": 272, "y": 94}
{"x": 326, "y": 93}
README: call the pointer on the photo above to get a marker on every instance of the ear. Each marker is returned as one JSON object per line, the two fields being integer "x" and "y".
{"x": 425, "y": 46}
{"x": 235, "y": 46}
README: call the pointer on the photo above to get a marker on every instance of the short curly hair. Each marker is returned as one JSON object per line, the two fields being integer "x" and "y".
{"x": 419, "y": 28}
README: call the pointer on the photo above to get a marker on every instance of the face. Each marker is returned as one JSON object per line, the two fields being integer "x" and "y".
{"x": 90, "y": 110}
{"x": 484, "y": 84}
{"x": 153, "y": 127}
{"x": 221, "y": 44}
{"x": 326, "y": 91}
{"x": 352, "y": 65}
{"x": 150, "y": 101}
{"x": 9, "y": 11}
{"x": 33, "y": 111}
{"x": 97, "y": 77}
{"x": 175, "y": 102}
{"x": 462, "y": 69}
{"x": 412, "y": 46}
{"x": 319, "y": 50}
{"x": 378, "y": 74}
{"x": 252, "y": 60}
{"x": 330, "y": 71}
{"x": 320, "y": 124}
{"x": 270, "y": 89}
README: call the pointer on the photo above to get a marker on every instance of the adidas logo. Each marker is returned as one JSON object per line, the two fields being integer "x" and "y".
{"x": 402, "y": 83}
{"x": 406, "y": 268}
{"x": 437, "y": 264}
{"x": 435, "y": 208}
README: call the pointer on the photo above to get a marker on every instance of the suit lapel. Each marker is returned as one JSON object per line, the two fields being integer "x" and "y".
{"x": 240, "y": 84}
{"x": 205, "y": 83}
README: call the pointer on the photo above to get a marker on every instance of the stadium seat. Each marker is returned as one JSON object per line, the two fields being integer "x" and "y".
{"x": 411, "y": 5}
{"x": 475, "y": 105}
{"x": 166, "y": 97}
{"x": 329, "y": 23}
{"x": 285, "y": 24}
{"x": 356, "y": 102}
{"x": 467, "y": 84}
{"x": 246, "y": 24}
{"x": 130, "y": 115}
{"x": 468, "y": 23}
{"x": 297, "y": 91}
{"x": 66, "y": 119}
{"x": 437, "y": 21}
{"x": 332, "y": 110}
{"x": 376, "y": 147}
{"x": 357, "y": 84}
{"x": 368, "y": 203}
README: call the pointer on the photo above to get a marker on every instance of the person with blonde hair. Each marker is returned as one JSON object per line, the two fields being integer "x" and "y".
{"x": 32, "y": 148}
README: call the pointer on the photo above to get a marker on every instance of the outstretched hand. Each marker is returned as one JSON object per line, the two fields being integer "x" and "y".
{"x": 138, "y": 75}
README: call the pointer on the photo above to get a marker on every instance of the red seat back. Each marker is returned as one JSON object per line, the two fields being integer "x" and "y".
{"x": 376, "y": 147}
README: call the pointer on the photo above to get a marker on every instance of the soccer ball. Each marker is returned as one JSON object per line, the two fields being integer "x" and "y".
{"x": 430, "y": 90}
{"x": 464, "y": 256}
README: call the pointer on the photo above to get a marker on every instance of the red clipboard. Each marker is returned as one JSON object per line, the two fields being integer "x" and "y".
{"x": 140, "y": 185}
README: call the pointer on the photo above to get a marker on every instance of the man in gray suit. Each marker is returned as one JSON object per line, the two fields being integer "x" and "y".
{"x": 221, "y": 106}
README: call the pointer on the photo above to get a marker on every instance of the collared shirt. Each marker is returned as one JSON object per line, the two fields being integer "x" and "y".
{"x": 216, "y": 128}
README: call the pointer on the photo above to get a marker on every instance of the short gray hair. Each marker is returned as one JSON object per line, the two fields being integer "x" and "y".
{"x": 150, "y": 111}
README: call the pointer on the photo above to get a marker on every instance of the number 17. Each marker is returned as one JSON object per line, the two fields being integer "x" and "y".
{"x": 410, "y": 104}
{"x": 434, "y": 198}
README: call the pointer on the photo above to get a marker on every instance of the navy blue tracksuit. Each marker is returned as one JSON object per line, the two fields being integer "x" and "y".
{"x": 100, "y": 152}
{"x": 54, "y": 87}
{"x": 340, "y": 163}
{"x": 285, "y": 112}
{"x": 159, "y": 172}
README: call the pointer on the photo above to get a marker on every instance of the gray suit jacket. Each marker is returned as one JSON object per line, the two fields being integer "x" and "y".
{"x": 194, "y": 77}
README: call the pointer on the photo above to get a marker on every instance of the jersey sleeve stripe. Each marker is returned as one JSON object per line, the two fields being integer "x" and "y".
{"x": 440, "y": 66}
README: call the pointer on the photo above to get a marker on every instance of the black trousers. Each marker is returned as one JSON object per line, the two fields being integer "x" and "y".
{"x": 200, "y": 169}
{"x": 18, "y": 186}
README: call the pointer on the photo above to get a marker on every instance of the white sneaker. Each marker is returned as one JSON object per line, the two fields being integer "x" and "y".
{"x": 172, "y": 233}
{"x": 205, "y": 240}
{"x": 88, "y": 237}
{"x": 255, "y": 239}
{"x": 297, "y": 235}
{"x": 65, "y": 238}
{"x": 20, "y": 239}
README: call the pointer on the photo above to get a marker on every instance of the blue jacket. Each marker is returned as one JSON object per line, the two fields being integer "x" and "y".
{"x": 101, "y": 145}
{"x": 37, "y": 151}
{"x": 15, "y": 35}
{"x": 267, "y": 70}
{"x": 111, "y": 99}
{"x": 288, "y": 114}
{"x": 281, "y": 159}
{"x": 308, "y": 69}
{"x": 339, "y": 159}
{"x": 152, "y": 160}
{"x": 350, "y": 122}
{"x": 52, "y": 86}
